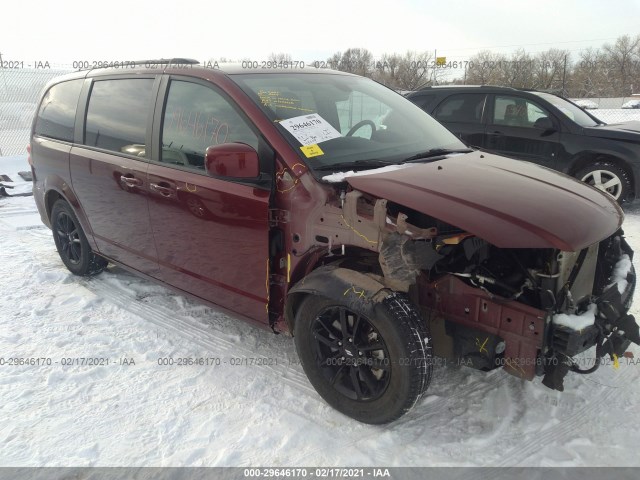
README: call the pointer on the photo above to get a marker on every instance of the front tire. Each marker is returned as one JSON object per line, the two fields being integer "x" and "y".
{"x": 608, "y": 177}
{"x": 372, "y": 367}
{"x": 71, "y": 242}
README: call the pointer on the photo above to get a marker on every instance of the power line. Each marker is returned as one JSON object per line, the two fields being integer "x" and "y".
{"x": 532, "y": 44}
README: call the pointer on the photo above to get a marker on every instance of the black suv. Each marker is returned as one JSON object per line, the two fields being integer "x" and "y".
{"x": 541, "y": 128}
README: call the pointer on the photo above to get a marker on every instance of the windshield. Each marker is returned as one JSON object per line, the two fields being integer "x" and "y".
{"x": 572, "y": 111}
{"x": 341, "y": 120}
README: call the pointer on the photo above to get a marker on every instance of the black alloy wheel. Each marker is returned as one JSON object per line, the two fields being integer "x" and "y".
{"x": 351, "y": 353}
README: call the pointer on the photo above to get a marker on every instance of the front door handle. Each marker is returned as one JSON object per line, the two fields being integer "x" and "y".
{"x": 131, "y": 181}
{"x": 161, "y": 189}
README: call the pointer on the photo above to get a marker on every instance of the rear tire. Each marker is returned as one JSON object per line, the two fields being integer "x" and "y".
{"x": 373, "y": 367}
{"x": 71, "y": 242}
{"x": 608, "y": 177}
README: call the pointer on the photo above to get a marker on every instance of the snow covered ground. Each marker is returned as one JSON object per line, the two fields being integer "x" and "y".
{"x": 133, "y": 411}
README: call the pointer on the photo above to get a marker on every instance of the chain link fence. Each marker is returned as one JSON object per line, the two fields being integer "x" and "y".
{"x": 19, "y": 94}
{"x": 610, "y": 110}
{"x": 608, "y": 115}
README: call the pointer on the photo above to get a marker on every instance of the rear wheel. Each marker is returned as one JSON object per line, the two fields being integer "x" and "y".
{"x": 71, "y": 242}
{"x": 372, "y": 367}
{"x": 608, "y": 177}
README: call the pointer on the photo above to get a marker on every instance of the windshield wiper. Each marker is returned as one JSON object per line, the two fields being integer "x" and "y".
{"x": 435, "y": 152}
{"x": 372, "y": 163}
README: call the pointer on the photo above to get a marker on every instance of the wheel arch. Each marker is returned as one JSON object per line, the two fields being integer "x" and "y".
{"x": 53, "y": 194}
{"x": 362, "y": 291}
{"x": 585, "y": 159}
{"x": 51, "y": 197}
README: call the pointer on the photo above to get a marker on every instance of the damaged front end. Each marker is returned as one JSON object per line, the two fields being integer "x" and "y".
{"x": 607, "y": 323}
{"x": 518, "y": 284}
{"x": 530, "y": 310}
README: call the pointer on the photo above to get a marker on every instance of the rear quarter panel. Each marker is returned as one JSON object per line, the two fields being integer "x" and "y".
{"x": 51, "y": 165}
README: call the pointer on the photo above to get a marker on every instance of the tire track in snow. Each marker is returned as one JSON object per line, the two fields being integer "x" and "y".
{"x": 12, "y": 210}
{"x": 526, "y": 445}
{"x": 415, "y": 418}
{"x": 566, "y": 427}
{"x": 209, "y": 338}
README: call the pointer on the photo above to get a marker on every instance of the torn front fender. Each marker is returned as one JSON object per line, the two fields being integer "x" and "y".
{"x": 357, "y": 290}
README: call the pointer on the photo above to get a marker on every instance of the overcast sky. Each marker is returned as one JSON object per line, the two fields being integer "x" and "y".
{"x": 114, "y": 30}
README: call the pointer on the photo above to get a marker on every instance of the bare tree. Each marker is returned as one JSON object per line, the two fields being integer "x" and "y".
{"x": 484, "y": 68}
{"x": 590, "y": 75}
{"x": 407, "y": 72}
{"x": 613, "y": 70}
{"x": 623, "y": 58}
{"x": 353, "y": 60}
{"x": 387, "y": 70}
{"x": 279, "y": 58}
{"x": 516, "y": 71}
{"x": 550, "y": 69}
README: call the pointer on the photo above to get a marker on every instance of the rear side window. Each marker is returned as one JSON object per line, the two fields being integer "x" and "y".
{"x": 117, "y": 115}
{"x": 464, "y": 107}
{"x": 57, "y": 114}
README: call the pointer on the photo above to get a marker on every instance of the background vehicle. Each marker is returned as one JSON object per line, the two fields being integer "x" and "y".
{"x": 586, "y": 104}
{"x": 234, "y": 187}
{"x": 631, "y": 104}
{"x": 541, "y": 128}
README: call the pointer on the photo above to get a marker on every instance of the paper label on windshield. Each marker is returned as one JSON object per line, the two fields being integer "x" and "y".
{"x": 310, "y": 129}
{"x": 311, "y": 150}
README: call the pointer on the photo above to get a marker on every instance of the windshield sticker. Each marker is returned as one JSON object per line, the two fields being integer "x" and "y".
{"x": 310, "y": 129}
{"x": 280, "y": 103}
{"x": 311, "y": 151}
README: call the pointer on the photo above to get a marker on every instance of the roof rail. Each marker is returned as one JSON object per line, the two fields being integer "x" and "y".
{"x": 436, "y": 87}
{"x": 182, "y": 61}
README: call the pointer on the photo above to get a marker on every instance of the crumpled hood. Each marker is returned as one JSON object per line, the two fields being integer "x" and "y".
{"x": 509, "y": 203}
{"x": 619, "y": 131}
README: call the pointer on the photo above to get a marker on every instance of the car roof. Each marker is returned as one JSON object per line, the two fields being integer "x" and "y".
{"x": 481, "y": 88}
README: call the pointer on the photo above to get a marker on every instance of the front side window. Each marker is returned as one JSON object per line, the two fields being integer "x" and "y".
{"x": 337, "y": 120}
{"x": 117, "y": 115}
{"x": 423, "y": 101}
{"x": 195, "y": 118}
{"x": 464, "y": 107}
{"x": 516, "y": 112}
{"x": 57, "y": 115}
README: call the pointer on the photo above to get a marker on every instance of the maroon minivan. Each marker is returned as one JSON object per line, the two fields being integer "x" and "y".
{"x": 325, "y": 206}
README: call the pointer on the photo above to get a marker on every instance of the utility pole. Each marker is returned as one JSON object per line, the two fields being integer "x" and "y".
{"x": 435, "y": 61}
{"x": 564, "y": 76}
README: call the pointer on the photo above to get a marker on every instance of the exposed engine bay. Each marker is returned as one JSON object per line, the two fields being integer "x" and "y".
{"x": 529, "y": 310}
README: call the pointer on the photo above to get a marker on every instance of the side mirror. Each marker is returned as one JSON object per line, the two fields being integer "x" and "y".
{"x": 544, "y": 123}
{"x": 237, "y": 160}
